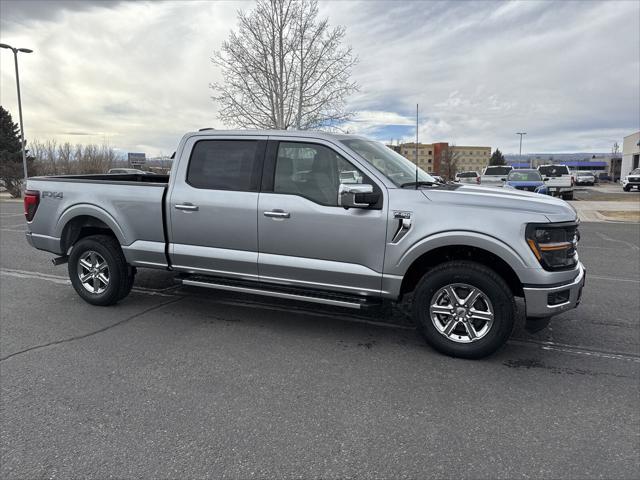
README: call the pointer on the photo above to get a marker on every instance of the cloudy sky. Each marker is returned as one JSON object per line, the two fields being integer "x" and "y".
{"x": 136, "y": 74}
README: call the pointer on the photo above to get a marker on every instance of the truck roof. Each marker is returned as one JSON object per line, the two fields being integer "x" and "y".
{"x": 279, "y": 133}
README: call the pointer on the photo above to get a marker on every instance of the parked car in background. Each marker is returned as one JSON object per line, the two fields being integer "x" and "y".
{"x": 494, "y": 175}
{"x": 129, "y": 171}
{"x": 631, "y": 180}
{"x": 529, "y": 180}
{"x": 467, "y": 177}
{"x": 235, "y": 216}
{"x": 558, "y": 180}
{"x": 584, "y": 177}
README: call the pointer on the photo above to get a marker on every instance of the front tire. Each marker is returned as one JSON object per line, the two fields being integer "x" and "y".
{"x": 98, "y": 270}
{"x": 627, "y": 188}
{"x": 464, "y": 309}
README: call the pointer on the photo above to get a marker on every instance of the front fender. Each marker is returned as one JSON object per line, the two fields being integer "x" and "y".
{"x": 465, "y": 238}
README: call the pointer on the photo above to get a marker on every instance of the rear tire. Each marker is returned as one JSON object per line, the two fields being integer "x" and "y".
{"x": 98, "y": 270}
{"x": 490, "y": 316}
{"x": 567, "y": 196}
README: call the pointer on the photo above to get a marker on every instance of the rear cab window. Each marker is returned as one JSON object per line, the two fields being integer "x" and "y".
{"x": 226, "y": 165}
{"x": 553, "y": 170}
{"x": 498, "y": 170}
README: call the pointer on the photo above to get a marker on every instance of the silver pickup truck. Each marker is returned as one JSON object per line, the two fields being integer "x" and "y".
{"x": 307, "y": 216}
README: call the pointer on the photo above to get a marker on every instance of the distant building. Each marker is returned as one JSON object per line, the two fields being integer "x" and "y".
{"x": 598, "y": 163}
{"x": 630, "y": 153}
{"x": 430, "y": 155}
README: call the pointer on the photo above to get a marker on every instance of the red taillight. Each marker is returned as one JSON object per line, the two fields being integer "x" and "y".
{"x": 31, "y": 202}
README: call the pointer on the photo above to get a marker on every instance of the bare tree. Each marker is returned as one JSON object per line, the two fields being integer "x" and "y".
{"x": 53, "y": 159}
{"x": 449, "y": 162}
{"x": 615, "y": 150}
{"x": 284, "y": 68}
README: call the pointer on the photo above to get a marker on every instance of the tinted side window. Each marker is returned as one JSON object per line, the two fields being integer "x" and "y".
{"x": 314, "y": 172}
{"x": 225, "y": 165}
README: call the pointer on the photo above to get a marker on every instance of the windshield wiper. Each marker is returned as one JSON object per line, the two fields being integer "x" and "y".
{"x": 422, "y": 183}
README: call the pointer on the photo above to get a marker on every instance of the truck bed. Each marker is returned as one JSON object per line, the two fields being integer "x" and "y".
{"x": 106, "y": 178}
{"x": 131, "y": 205}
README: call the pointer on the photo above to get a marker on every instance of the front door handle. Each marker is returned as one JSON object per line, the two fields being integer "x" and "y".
{"x": 277, "y": 214}
{"x": 186, "y": 206}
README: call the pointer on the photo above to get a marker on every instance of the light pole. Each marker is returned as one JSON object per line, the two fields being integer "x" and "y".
{"x": 521, "y": 134}
{"x": 15, "y": 57}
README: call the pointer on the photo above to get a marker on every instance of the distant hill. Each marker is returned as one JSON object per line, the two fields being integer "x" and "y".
{"x": 567, "y": 157}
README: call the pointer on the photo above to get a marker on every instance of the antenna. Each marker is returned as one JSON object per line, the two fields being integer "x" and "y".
{"x": 416, "y": 146}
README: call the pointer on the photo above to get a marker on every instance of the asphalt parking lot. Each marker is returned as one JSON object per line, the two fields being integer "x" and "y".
{"x": 178, "y": 383}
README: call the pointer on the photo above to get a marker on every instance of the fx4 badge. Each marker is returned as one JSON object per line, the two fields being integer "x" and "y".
{"x": 404, "y": 224}
{"x": 57, "y": 195}
{"x": 397, "y": 214}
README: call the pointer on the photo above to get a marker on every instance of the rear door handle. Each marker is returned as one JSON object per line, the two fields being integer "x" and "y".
{"x": 186, "y": 206}
{"x": 277, "y": 214}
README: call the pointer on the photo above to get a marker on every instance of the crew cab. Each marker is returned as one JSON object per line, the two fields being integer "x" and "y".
{"x": 313, "y": 217}
{"x": 494, "y": 175}
{"x": 558, "y": 180}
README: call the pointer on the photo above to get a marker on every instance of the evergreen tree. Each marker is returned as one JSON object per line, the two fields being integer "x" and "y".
{"x": 497, "y": 158}
{"x": 11, "y": 172}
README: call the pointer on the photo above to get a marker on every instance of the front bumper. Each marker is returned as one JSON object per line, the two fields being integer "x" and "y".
{"x": 632, "y": 182}
{"x": 537, "y": 298}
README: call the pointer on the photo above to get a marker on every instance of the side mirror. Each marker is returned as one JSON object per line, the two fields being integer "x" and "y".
{"x": 545, "y": 179}
{"x": 356, "y": 195}
{"x": 503, "y": 179}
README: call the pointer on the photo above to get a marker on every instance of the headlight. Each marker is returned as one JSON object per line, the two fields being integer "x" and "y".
{"x": 554, "y": 245}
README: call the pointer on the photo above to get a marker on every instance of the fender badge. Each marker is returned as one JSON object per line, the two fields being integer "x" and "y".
{"x": 401, "y": 214}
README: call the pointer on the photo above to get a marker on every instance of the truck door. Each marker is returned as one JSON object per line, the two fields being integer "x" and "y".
{"x": 306, "y": 239}
{"x": 212, "y": 207}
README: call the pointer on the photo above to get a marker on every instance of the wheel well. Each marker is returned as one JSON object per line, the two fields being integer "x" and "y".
{"x": 459, "y": 252}
{"x": 80, "y": 227}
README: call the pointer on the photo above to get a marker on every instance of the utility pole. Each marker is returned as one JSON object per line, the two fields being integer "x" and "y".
{"x": 15, "y": 58}
{"x": 520, "y": 160}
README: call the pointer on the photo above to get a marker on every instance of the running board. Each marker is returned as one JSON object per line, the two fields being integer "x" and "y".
{"x": 337, "y": 300}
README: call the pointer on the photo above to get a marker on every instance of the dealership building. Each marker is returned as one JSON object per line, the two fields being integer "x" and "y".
{"x": 630, "y": 153}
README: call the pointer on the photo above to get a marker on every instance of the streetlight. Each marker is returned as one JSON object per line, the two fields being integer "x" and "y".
{"x": 521, "y": 134}
{"x": 15, "y": 57}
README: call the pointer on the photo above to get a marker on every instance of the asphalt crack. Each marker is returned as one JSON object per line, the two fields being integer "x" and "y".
{"x": 95, "y": 332}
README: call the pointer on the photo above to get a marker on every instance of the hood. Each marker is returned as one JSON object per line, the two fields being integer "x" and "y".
{"x": 498, "y": 198}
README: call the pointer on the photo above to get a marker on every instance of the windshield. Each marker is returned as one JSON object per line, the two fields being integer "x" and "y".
{"x": 635, "y": 171}
{"x": 553, "y": 170}
{"x": 524, "y": 176}
{"x": 391, "y": 164}
{"x": 498, "y": 170}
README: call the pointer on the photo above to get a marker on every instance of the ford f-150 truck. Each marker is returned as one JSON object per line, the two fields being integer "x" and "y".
{"x": 333, "y": 219}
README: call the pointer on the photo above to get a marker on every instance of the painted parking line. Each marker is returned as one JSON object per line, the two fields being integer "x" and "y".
{"x": 60, "y": 280}
{"x": 164, "y": 292}
{"x": 614, "y": 279}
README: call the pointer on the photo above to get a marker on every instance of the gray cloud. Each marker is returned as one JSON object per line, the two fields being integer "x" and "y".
{"x": 138, "y": 73}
